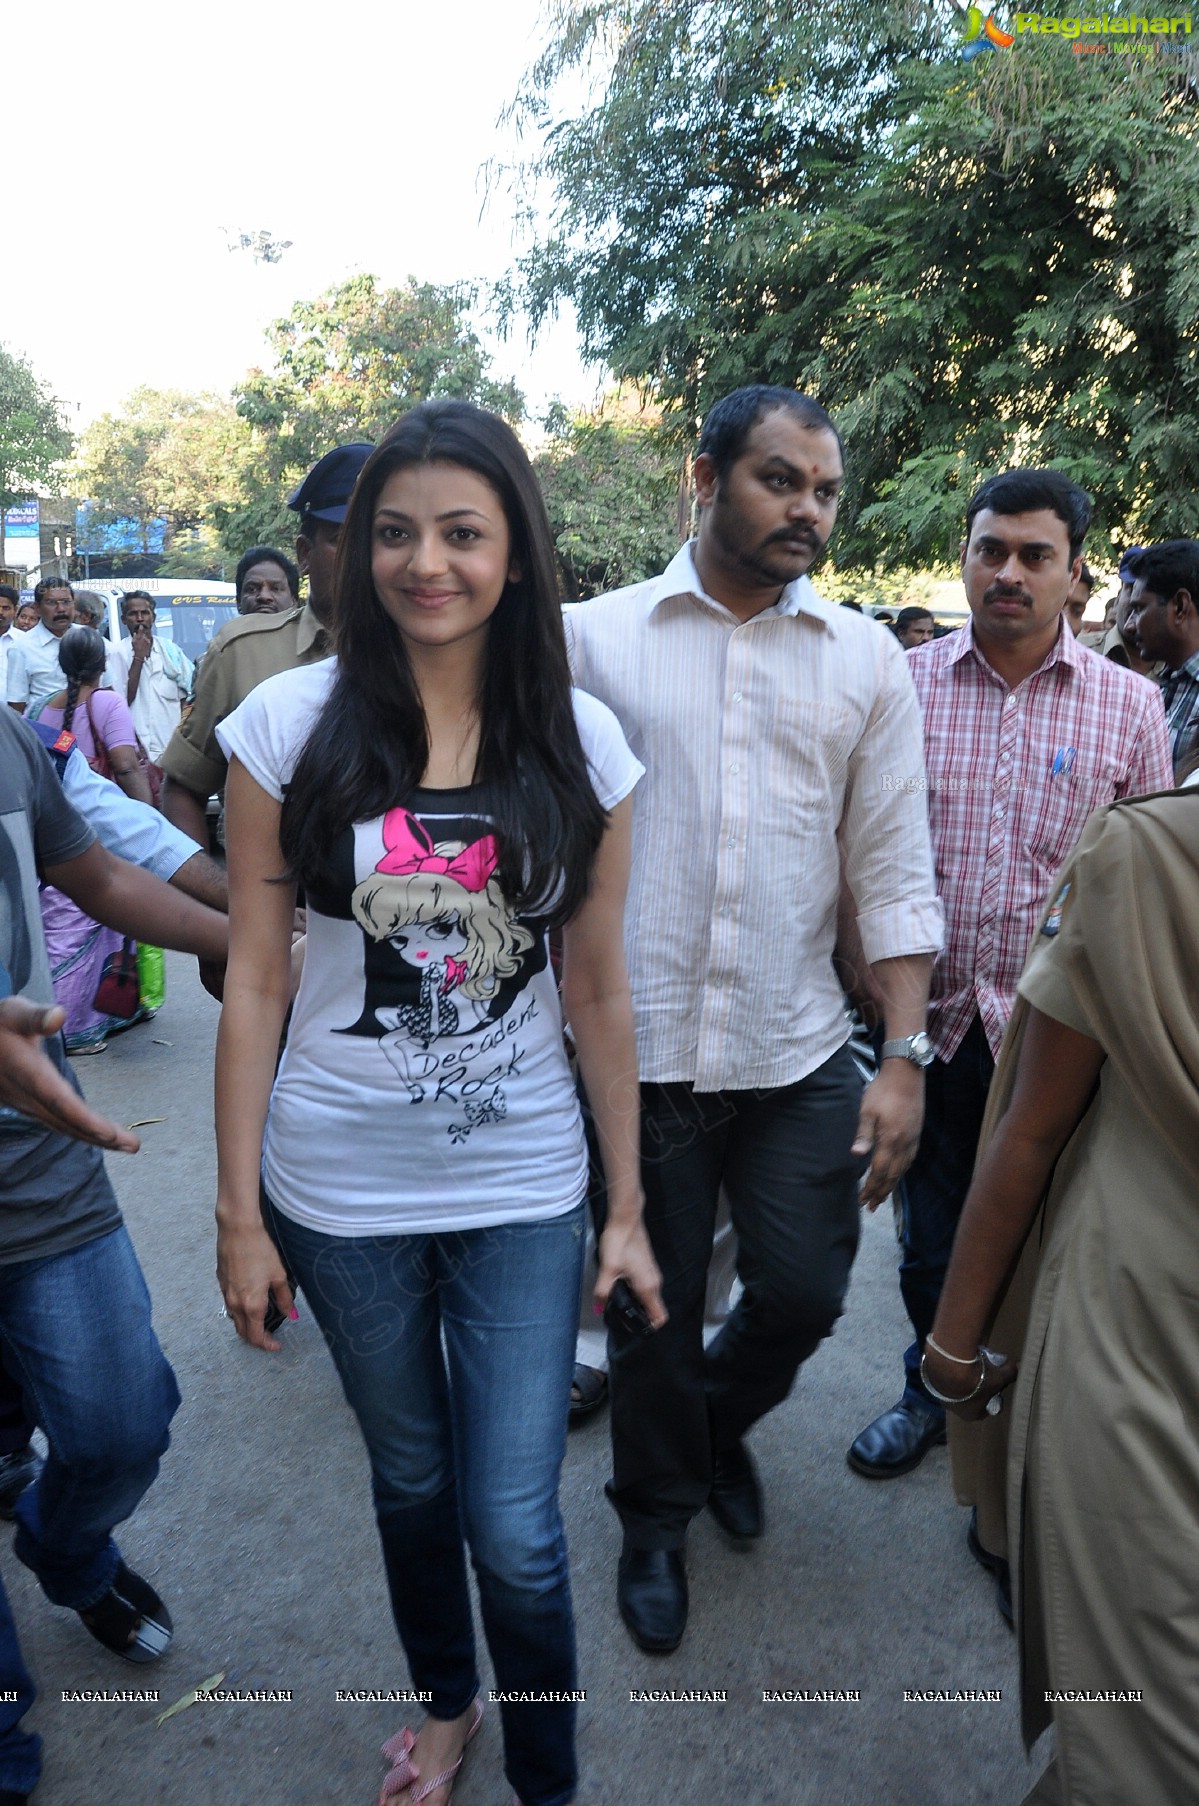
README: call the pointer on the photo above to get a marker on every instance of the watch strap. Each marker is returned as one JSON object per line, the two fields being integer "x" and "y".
{"x": 905, "y": 1049}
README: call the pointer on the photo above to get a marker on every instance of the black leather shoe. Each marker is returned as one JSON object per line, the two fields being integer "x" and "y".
{"x": 897, "y": 1441}
{"x": 651, "y": 1591}
{"x": 995, "y": 1565}
{"x": 736, "y": 1497}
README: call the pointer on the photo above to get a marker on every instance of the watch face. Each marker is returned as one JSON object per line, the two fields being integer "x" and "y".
{"x": 922, "y": 1050}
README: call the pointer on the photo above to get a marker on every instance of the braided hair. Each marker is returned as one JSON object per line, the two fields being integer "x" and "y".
{"x": 82, "y": 653}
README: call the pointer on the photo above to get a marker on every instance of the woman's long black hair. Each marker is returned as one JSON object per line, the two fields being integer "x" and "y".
{"x": 370, "y": 746}
{"x": 82, "y": 653}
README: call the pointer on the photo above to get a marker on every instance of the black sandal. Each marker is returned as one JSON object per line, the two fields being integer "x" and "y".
{"x": 588, "y": 1391}
{"x": 131, "y": 1619}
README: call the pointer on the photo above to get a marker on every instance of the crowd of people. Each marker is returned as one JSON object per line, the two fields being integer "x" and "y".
{"x": 538, "y": 931}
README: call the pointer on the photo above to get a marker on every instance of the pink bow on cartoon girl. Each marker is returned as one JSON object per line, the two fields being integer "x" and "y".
{"x": 409, "y": 849}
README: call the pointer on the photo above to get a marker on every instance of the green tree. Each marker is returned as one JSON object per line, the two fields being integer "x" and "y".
{"x": 345, "y": 366}
{"x": 168, "y": 457}
{"x": 33, "y": 440}
{"x": 611, "y": 487}
{"x": 972, "y": 264}
{"x": 199, "y": 552}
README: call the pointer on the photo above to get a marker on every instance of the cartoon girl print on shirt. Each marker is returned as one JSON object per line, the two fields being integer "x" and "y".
{"x": 439, "y": 909}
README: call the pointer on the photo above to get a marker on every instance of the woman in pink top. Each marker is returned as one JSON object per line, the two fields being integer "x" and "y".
{"x": 79, "y": 947}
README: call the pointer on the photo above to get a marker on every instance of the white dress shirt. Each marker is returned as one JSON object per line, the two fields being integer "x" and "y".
{"x": 765, "y": 743}
{"x": 162, "y": 689}
{"x": 34, "y": 672}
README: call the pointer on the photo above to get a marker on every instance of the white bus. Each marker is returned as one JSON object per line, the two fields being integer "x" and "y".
{"x": 186, "y": 610}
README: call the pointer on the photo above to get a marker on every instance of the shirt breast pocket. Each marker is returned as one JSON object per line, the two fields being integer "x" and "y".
{"x": 816, "y": 734}
{"x": 1065, "y": 800}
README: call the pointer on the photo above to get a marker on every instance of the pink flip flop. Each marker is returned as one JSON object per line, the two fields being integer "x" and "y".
{"x": 398, "y": 1751}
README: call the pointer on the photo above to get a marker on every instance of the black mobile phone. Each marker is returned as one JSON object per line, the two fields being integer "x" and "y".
{"x": 625, "y": 1310}
{"x": 274, "y": 1318}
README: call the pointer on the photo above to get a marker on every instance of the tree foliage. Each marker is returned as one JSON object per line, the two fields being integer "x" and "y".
{"x": 611, "y": 487}
{"x": 972, "y": 264}
{"x": 33, "y": 440}
{"x": 346, "y": 366}
{"x": 170, "y": 457}
{"x": 217, "y": 472}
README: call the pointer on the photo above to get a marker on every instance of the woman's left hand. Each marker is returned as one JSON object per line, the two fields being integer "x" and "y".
{"x": 625, "y": 1253}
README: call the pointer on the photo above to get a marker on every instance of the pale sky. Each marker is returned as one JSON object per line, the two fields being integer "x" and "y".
{"x": 143, "y": 134}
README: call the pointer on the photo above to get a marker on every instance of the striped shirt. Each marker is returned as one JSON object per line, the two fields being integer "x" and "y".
{"x": 765, "y": 742}
{"x": 1013, "y": 776}
{"x": 1180, "y": 694}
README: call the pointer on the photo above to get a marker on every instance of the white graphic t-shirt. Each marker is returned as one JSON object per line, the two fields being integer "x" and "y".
{"x": 424, "y": 1086}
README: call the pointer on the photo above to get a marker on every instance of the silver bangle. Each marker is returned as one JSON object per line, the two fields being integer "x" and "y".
{"x": 943, "y": 1398}
{"x": 930, "y": 1341}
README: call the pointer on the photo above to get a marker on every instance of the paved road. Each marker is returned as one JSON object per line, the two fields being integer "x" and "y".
{"x": 259, "y": 1535}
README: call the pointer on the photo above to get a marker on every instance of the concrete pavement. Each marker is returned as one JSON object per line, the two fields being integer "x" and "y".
{"x": 259, "y": 1535}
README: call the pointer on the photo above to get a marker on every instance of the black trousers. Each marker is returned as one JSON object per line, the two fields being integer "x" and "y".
{"x": 783, "y": 1158}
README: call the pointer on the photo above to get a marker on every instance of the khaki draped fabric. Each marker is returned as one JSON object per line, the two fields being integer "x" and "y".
{"x": 1100, "y": 1511}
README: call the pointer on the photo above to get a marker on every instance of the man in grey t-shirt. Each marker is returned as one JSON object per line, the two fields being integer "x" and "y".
{"x": 74, "y": 1310}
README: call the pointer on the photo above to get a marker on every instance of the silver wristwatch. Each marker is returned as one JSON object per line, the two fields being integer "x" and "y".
{"x": 916, "y": 1048}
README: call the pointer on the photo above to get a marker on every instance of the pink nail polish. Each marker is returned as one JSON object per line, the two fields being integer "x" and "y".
{"x": 597, "y": 1308}
{"x": 293, "y": 1314}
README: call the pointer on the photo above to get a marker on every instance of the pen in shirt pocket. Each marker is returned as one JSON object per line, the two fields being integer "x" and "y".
{"x": 1063, "y": 761}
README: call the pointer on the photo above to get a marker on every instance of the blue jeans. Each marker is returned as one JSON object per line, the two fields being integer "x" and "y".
{"x": 75, "y": 1335}
{"x": 465, "y": 1443}
{"x": 934, "y": 1188}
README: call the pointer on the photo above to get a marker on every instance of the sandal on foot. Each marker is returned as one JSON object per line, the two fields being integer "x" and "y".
{"x": 398, "y": 1751}
{"x": 588, "y": 1391}
{"x": 131, "y": 1619}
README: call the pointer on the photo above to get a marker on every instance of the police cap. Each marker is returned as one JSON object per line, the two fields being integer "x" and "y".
{"x": 325, "y": 492}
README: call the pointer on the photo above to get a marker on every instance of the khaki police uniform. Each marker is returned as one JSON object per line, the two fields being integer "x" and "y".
{"x": 242, "y": 655}
{"x": 1114, "y": 647}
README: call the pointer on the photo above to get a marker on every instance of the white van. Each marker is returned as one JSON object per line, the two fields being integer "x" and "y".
{"x": 186, "y": 611}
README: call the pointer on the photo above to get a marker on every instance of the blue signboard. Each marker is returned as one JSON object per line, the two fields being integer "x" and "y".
{"x": 21, "y": 522}
{"x": 104, "y": 538}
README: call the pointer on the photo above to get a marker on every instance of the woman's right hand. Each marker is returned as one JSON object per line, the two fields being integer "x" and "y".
{"x": 248, "y": 1265}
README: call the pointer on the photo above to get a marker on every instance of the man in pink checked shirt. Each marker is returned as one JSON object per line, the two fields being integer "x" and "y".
{"x": 1025, "y": 733}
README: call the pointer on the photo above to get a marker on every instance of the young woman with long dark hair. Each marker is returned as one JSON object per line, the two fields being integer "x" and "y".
{"x": 444, "y": 798}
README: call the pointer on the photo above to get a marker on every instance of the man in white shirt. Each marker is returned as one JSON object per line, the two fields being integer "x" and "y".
{"x": 781, "y": 738}
{"x": 153, "y": 675}
{"x": 34, "y": 673}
